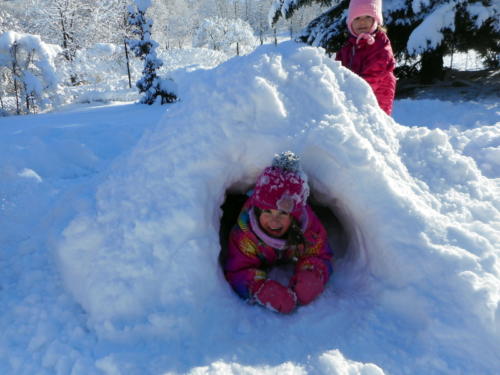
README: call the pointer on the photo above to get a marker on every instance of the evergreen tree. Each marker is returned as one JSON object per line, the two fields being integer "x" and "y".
{"x": 427, "y": 29}
{"x": 150, "y": 84}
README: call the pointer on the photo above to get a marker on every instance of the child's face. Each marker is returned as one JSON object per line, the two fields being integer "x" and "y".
{"x": 275, "y": 222}
{"x": 362, "y": 24}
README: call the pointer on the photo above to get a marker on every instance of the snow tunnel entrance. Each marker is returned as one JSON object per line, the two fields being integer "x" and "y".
{"x": 338, "y": 236}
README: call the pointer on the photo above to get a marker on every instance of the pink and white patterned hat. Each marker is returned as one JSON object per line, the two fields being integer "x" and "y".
{"x": 282, "y": 186}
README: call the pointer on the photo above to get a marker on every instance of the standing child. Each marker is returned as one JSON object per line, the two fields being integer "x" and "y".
{"x": 368, "y": 51}
{"x": 277, "y": 226}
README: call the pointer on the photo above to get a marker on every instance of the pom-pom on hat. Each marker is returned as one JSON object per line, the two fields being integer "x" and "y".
{"x": 282, "y": 186}
{"x": 358, "y": 8}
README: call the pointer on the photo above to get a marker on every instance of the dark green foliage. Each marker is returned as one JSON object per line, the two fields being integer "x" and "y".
{"x": 485, "y": 40}
{"x": 293, "y": 6}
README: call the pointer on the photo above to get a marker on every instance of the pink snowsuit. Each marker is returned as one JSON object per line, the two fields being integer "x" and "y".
{"x": 249, "y": 257}
{"x": 375, "y": 63}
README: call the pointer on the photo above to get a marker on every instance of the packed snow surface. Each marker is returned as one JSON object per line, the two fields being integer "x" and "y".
{"x": 111, "y": 221}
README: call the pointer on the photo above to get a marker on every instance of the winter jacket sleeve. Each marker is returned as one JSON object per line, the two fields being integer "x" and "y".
{"x": 317, "y": 254}
{"x": 374, "y": 69}
{"x": 243, "y": 268}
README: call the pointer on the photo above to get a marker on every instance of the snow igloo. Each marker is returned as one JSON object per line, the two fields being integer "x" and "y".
{"x": 398, "y": 204}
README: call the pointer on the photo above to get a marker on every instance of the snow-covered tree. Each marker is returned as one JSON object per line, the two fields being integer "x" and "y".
{"x": 150, "y": 84}
{"x": 108, "y": 22}
{"x": 75, "y": 25}
{"x": 28, "y": 63}
{"x": 8, "y": 19}
{"x": 174, "y": 22}
{"x": 425, "y": 28}
{"x": 241, "y": 34}
{"x": 104, "y": 63}
{"x": 223, "y": 34}
{"x": 220, "y": 8}
{"x": 211, "y": 33}
{"x": 260, "y": 22}
{"x": 111, "y": 20}
{"x": 447, "y": 26}
{"x": 68, "y": 22}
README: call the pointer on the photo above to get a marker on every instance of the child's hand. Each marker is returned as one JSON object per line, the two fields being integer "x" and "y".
{"x": 307, "y": 284}
{"x": 275, "y": 296}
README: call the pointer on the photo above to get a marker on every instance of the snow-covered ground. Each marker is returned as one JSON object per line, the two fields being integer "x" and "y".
{"x": 110, "y": 218}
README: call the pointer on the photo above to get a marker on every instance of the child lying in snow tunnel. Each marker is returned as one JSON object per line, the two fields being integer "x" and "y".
{"x": 276, "y": 226}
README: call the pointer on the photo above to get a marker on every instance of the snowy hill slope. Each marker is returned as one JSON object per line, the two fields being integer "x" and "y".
{"x": 416, "y": 292}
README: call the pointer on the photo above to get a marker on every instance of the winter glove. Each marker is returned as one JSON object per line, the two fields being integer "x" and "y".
{"x": 307, "y": 284}
{"x": 276, "y": 297}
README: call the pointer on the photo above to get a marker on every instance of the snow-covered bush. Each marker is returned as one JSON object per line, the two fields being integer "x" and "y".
{"x": 153, "y": 87}
{"x": 28, "y": 72}
{"x": 222, "y": 34}
{"x": 102, "y": 75}
{"x": 106, "y": 62}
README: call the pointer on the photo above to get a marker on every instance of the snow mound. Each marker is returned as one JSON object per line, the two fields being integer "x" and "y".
{"x": 421, "y": 275}
{"x": 329, "y": 363}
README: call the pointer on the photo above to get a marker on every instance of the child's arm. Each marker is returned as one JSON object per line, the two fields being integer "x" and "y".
{"x": 377, "y": 65}
{"x": 318, "y": 253}
{"x": 243, "y": 268}
{"x": 244, "y": 272}
{"x": 314, "y": 267}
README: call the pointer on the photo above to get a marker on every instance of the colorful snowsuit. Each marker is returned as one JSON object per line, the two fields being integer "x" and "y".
{"x": 375, "y": 63}
{"x": 249, "y": 257}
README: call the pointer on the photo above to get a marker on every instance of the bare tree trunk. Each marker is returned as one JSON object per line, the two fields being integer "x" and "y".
{"x": 27, "y": 99}
{"x": 247, "y": 10}
{"x": 13, "y": 53}
{"x": 29, "y": 96}
{"x": 18, "y": 110}
{"x": 67, "y": 39}
{"x": 4, "y": 79}
{"x": 128, "y": 63}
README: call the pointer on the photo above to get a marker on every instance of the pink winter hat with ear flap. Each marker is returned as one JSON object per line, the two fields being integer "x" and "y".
{"x": 282, "y": 186}
{"x": 358, "y": 8}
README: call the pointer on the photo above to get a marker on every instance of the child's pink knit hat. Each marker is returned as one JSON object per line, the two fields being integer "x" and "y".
{"x": 282, "y": 186}
{"x": 358, "y": 8}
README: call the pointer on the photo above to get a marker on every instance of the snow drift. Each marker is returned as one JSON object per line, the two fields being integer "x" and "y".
{"x": 420, "y": 276}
